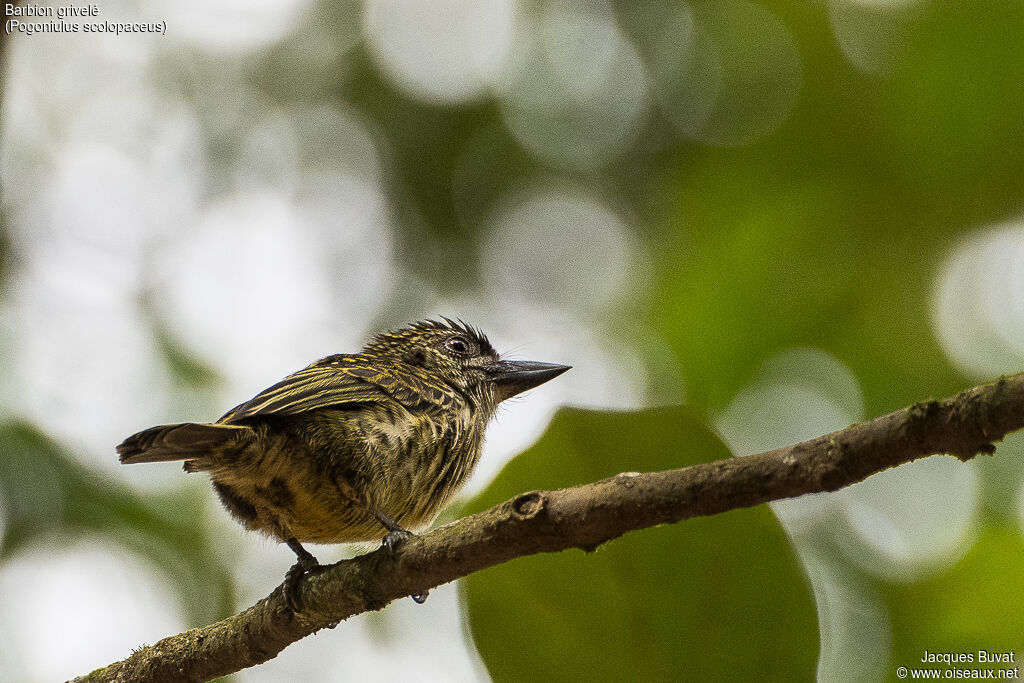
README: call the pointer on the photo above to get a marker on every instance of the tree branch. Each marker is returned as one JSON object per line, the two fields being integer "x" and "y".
{"x": 581, "y": 517}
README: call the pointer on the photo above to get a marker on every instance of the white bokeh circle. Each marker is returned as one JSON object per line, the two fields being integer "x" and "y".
{"x": 561, "y": 248}
{"x": 575, "y": 92}
{"x": 441, "y": 51}
{"x": 978, "y": 307}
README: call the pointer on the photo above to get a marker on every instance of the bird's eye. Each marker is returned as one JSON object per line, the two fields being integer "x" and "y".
{"x": 458, "y": 345}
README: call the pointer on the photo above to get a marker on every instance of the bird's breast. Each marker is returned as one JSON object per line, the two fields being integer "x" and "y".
{"x": 421, "y": 460}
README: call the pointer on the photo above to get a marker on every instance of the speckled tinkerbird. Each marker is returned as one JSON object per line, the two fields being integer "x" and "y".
{"x": 354, "y": 446}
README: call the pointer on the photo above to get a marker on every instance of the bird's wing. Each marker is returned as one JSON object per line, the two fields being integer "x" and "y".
{"x": 346, "y": 380}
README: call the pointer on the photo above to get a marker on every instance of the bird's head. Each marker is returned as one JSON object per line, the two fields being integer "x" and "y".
{"x": 462, "y": 357}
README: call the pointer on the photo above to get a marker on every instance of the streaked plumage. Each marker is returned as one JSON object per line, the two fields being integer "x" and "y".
{"x": 353, "y": 445}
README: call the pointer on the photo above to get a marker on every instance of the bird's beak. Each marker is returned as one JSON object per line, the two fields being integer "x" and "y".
{"x": 513, "y": 377}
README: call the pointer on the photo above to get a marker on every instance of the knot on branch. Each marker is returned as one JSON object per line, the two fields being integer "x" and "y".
{"x": 528, "y": 505}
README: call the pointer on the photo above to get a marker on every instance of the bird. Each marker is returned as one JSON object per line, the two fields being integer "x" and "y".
{"x": 354, "y": 447}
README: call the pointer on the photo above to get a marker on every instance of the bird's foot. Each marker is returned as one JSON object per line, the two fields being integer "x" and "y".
{"x": 395, "y": 538}
{"x": 293, "y": 579}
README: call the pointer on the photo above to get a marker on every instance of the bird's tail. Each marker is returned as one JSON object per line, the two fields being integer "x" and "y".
{"x": 186, "y": 441}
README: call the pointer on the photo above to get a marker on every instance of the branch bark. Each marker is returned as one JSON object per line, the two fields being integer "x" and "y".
{"x": 581, "y": 517}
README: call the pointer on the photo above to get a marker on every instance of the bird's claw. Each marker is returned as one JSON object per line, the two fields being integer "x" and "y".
{"x": 392, "y": 541}
{"x": 292, "y": 581}
{"x": 396, "y": 538}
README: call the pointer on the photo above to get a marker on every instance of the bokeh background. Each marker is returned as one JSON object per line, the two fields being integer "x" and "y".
{"x": 788, "y": 216}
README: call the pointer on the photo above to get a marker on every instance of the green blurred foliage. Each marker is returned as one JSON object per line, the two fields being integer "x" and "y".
{"x": 690, "y": 601}
{"x": 829, "y": 233}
